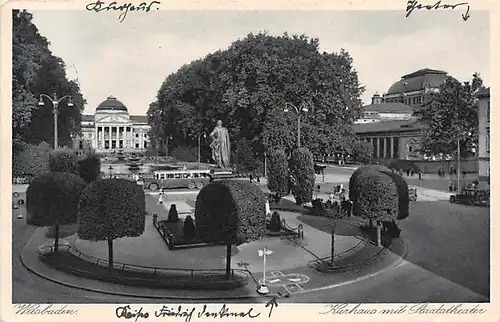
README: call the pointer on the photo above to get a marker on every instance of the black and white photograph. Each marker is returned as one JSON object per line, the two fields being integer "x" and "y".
{"x": 257, "y": 157}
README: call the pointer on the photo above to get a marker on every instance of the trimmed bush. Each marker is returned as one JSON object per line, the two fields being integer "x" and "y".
{"x": 302, "y": 171}
{"x": 63, "y": 160}
{"x": 353, "y": 193}
{"x": 378, "y": 196}
{"x": 275, "y": 222}
{"x": 52, "y": 200}
{"x": 230, "y": 211}
{"x": 231, "y": 206}
{"x": 403, "y": 195}
{"x": 188, "y": 228}
{"x": 173, "y": 216}
{"x": 89, "y": 167}
{"x": 110, "y": 209}
{"x": 278, "y": 175}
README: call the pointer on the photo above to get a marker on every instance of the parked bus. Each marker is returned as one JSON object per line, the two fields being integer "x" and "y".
{"x": 166, "y": 179}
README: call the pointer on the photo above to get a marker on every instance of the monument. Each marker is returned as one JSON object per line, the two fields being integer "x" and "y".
{"x": 221, "y": 147}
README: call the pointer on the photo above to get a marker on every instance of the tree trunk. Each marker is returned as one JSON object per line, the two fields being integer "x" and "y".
{"x": 370, "y": 224}
{"x": 379, "y": 231}
{"x": 333, "y": 245}
{"x": 228, "y": 258}
{"x": 56, "y": 238}
{"x": 110, "y": 252}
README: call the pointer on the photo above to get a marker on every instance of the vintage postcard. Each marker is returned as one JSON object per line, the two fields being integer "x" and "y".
{"x": 246, "y": 160}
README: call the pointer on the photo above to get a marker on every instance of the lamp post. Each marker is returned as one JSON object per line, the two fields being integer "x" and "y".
{"x": 264, "y": 253}
{"x": 199, "y": 147}
{"x": 303, "y": 109}
{"x": 55, "y": 104}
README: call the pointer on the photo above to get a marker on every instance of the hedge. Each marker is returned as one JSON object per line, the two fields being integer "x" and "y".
{"x": 237, "y": 207}
{"x": 52, "y": 198}
{"x": 63, "y": 160}
{"x": 377, "y": 196}
{"x": 278, "y": 175}
{"x": 302, "y": 171}
{"x": 403, "y": 195}
{"x": 111, "y": 208}
{"x": 188, "y": 228}
{"x": 89, "y": 167}
{"x": 398, "y": 180}
{"x": 173, "y": 215}
{"x": 275, "y": 222}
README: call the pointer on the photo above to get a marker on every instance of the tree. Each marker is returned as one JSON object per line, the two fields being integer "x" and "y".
{"x": 52, "y": 200}
{"x": 245, "y": 157}
{"x": 363, "y": 152}
{"x": 278, "y": 175}
{"x": 31, "y": 160}
{"x": 110, "y": 209}
{"x": 302, "y": 173}
{"x": 377, "y": 199}
{"x": 89, "y": 167}
{"x": 247, "y": 86}
{"x": 450, "y": 115}
{"x": 35, "y": 71}
{"x": 63, "y": 160}
{"x": 230, "y": 212}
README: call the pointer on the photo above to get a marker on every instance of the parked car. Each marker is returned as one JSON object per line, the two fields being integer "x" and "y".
{"x": 472, "y": 197}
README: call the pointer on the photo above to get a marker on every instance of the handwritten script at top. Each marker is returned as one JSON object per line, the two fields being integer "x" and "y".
{"x": 414, "y": 4}
{"x": 99, "y": 6}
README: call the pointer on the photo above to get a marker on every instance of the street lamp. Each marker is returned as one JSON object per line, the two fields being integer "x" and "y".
{"x": 303, "y": 109}
{"x": 55, "y": 103}
{"x": 199, "y": 147}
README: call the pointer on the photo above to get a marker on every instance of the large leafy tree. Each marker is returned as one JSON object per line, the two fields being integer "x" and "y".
{"x": 35, "y": 71}
{"x": 448, "y": 116}
{"x": 247, "y": 87}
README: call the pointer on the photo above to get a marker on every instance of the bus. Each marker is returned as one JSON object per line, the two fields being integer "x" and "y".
{"x": 166, "y": 179}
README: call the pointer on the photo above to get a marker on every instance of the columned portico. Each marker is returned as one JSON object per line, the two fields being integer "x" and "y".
{"x": 112, "y": 129}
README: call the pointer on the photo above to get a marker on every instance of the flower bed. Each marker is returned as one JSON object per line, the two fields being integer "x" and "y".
{"x": 173, "y": 235}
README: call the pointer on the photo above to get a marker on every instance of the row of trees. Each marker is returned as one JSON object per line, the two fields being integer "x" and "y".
{"x": 72, "y": 192}
{"x": 35, "y": 71}
{"x": 248, "y": 85}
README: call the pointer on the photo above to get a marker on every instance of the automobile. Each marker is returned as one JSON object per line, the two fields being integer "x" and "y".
{"x": 472, "y": 197}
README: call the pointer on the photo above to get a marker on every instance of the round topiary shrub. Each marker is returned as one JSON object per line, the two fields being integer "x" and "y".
{"x": 378, "y": 196}
{"x": 278, "y": 175}
{"x": 173, "y": 216}
{"x": 275, "y": 222}
{"x": 188, "y": 228}
{"x": 89, "y": 167}
{"x": 52, "y": 200}
{"x": 230, "y": 206}
{"x": 403, "y": 195}
{"x": 110, "y": 209}
{"x": 302, "y": 171}
{"x": 63, "y": 160}
{"x": 353, "y": 192}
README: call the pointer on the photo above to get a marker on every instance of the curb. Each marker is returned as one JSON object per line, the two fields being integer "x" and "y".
{"x": 195, "y": 298}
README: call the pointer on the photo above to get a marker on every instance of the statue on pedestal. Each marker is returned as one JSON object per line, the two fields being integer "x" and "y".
{"x": 221, "y": 147}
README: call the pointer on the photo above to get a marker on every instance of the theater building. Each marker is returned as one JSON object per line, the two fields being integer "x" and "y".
{"x": 112, "y": 129}
{"x": 390, "y": 122}
{"x": 483, "y": 96}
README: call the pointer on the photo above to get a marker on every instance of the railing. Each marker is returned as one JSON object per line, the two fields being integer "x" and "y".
{"x": 180, "y": 272}
{"x": 299, "y": 229}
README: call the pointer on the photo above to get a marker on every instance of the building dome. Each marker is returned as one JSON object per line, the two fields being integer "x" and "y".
{"x": 418, "y": 81}
{"x": 111, "y": 104}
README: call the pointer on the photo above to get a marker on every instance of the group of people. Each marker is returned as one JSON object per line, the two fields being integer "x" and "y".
{"x": 342, "y": 205}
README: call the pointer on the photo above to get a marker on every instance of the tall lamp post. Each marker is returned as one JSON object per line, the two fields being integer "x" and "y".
{"x": 303, "y": 109}
{"x": 55, "y": 109}
{"x": 199, "y": 147}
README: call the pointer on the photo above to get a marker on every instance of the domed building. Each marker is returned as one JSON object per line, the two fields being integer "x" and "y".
{"x": 112, "y": 129}
{"x": 390, "y": 123}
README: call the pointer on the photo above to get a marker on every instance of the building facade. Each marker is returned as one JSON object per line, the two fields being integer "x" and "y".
{"x": 111, "y": 129}
{"x": 483, "y": 96}
{"x": 390, "y": 122}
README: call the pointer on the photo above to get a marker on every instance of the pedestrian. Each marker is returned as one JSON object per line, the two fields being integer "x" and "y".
{"x": 450, "y": 186}
{"x": 251, "y": 177}
{"x": 258, "y": 179}
{"x": 420, "y": 175}
{"x": 407, "y": 172}
{"x": 342, "y": 195}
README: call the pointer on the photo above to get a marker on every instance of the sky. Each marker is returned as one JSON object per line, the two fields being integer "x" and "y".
{"x": 131, "y": 59}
